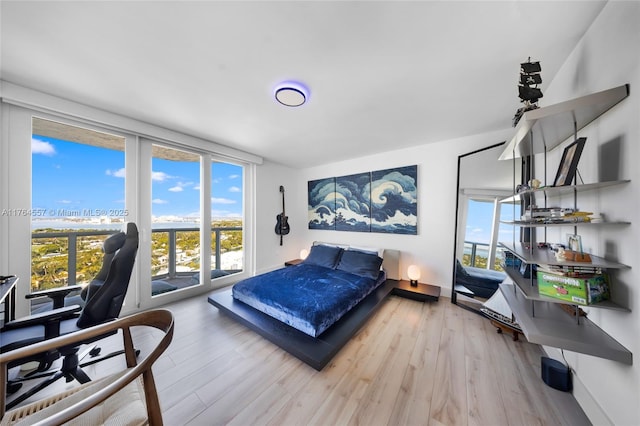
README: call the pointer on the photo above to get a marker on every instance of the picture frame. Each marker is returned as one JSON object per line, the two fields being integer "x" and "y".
{"x": 574, "y": 242}
{"x": 569, "y": 163}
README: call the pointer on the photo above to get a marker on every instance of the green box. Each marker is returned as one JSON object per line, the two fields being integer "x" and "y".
{"x": 583, "y": 290}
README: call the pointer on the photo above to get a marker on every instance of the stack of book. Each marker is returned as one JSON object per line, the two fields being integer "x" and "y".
{"x": 570, "y": 271}
{"x": 555, "y": 215}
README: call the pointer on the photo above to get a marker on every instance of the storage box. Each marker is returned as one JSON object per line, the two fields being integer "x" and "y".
{"x": 582, "y": 290}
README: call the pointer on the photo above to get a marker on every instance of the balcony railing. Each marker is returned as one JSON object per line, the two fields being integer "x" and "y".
{"x": 477, "y": 254}
{"x": 72, "y": 238}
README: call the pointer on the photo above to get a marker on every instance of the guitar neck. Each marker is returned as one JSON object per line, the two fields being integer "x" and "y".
{"x": 282, "y": 191}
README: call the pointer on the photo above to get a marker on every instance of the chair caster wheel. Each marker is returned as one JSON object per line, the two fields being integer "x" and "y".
{"x": 13, "y": 387}
{"x": 95, "y": 352}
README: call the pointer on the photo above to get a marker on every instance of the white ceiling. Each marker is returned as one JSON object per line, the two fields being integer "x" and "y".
{"x": 383, "y": 75}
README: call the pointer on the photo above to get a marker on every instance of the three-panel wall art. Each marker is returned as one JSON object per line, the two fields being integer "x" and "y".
{"x": 380, "y": 201}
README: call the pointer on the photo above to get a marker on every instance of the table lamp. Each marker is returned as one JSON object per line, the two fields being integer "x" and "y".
{"x": 414, "y": 275}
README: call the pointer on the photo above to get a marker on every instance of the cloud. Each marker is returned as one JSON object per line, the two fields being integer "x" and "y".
{"x": 120, "y": 173}
{"x": 180, "y": 186}
{"x": 159, "y": 201}
{"x": 42, "y": 147}
{"x": 234, "y": 176}
{"x": 235, "y": 189}
{"x": 215, "y": 200}
{"x": 160, "y": 176}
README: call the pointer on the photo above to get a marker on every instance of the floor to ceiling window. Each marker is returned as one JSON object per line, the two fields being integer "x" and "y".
{"x": 177, "y": 216}
{"x": 227, "y": 196}
{"x": 175, "y": 219}
{"x": 74, "y": 182}
{"x": 77, "y": 191}
{"x": 484, "y": 231}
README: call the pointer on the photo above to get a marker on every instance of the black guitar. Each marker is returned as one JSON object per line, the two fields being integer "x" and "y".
{"x": 282, "y": 226}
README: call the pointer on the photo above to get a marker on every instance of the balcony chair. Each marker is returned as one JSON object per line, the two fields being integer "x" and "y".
{"x": 104, "y": 303}
{"x": 128, "y": 396}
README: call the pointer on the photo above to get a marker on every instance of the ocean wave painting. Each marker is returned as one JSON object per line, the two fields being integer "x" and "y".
{"x": 394, "y": 200}
{"x": 322, "y": 203}
{"x": 382, "y": 201}
{"x": 353, "y": 203}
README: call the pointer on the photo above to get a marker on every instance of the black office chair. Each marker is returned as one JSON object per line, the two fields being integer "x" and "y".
{"x": 62, "y": 296}
{"x": 104, "y": 303}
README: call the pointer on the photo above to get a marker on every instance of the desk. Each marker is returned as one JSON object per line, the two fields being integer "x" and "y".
{"x": 8, "y": 296}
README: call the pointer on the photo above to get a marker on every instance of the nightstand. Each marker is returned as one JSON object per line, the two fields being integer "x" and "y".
{"x": 293, "y": 262}
{"x": 421, "y": 292}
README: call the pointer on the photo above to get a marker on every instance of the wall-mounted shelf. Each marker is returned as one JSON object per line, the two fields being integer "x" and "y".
{"x": 546, "y": 324}
{"x": 545, "y": 256}
{"x": 525, "y": 224}
{"x": 529, "y": 289}
{"x": 542, "y": 321}
{"x": 540, "y": 130}
{"x": 551, "y": 191}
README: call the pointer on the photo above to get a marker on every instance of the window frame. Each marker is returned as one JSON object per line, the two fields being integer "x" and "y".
{"x": 20, "y": 105}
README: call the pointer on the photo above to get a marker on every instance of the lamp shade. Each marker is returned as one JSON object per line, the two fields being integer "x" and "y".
{"x": 303, "y": 254}
{"x": 413, "y": 272}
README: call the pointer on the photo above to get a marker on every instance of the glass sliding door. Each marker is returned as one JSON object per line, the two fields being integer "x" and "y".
{"x": 77, "y": 201}
{"x": 175, "y": 219}
{"x": 178, "y": 214}
{"x": 227, "y": 196}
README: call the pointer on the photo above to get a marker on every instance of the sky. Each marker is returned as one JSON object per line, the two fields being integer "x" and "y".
{"x": 479, "y": 219}
{"x": 85, "y": 180}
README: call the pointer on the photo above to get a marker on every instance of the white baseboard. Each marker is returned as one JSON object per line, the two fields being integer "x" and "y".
{"x": 582, "y": 395}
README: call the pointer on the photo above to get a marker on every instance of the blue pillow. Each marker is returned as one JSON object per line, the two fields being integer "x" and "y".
{"x": 327, "y": 256}
{"x": 360, "y": 263}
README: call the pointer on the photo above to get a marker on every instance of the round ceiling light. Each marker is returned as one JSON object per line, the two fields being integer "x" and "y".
{"x": 291, "y": 94}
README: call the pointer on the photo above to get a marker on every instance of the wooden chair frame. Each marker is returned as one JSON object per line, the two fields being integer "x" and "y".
{"x": 160, "y": 319}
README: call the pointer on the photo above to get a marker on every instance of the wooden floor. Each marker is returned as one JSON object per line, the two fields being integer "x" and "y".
{"x": 413, "y": 363}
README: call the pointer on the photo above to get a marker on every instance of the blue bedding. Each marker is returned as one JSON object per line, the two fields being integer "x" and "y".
{"x": 307, "y": 297}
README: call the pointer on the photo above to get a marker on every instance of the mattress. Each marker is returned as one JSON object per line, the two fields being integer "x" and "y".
{"x": 307, "y": 297}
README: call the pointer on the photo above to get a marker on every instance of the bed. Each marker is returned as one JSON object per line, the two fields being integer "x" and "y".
{"x": 313, "y": 309}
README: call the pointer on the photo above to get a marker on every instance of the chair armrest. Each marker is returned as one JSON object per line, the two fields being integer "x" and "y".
{"x": 55, "y": 294}
{"x": 54, "y": 291}
{"x": 44, "y": 317}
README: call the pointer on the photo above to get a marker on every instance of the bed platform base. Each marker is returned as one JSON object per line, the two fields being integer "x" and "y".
{"x": 316, "y": 352}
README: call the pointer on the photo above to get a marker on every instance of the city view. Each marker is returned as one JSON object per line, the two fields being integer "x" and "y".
{"x": 78, "y": 200}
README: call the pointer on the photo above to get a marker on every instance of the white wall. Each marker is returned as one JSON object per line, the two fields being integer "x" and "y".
{"x": 608, "y": 56}
{"x": 431, "y": 249}
{"x": 269, "y": 177}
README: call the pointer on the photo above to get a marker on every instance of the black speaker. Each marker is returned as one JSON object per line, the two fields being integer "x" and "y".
{"x": 556, "y": 374}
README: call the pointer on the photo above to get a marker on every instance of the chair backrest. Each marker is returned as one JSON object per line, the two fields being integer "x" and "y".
{"x": 110, "y": 246}
{"x": 106, "y": 303}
